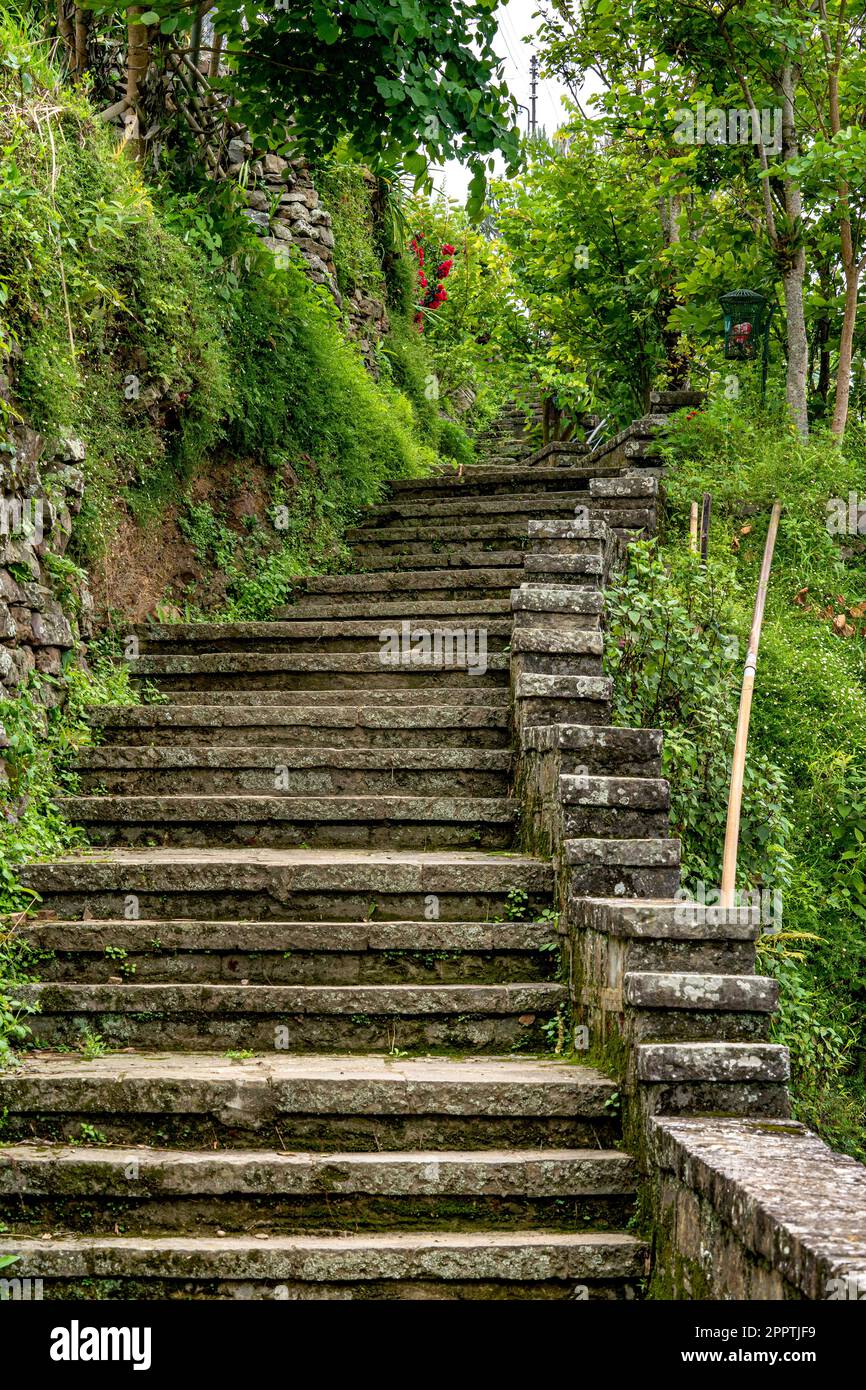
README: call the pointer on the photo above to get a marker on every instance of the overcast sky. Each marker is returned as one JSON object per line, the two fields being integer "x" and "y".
{"x": 515, "y": 24}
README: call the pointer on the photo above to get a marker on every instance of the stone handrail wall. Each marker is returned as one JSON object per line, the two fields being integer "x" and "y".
{"x": 740, "y": 1201}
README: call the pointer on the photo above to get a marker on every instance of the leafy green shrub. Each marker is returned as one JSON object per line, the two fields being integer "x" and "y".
{"x": 674, "y": 634}
{"x": 455, "y": 444}
{"x": 313, "y": 398}
{"x": 346, "y": 192}
{"x": 407, "y": 361}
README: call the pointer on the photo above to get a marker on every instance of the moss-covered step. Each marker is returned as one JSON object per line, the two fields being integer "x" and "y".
{"x": 398, "y": 605}
{"x": 313, "y": 1102}
{"x": 400, "y": 822}
{"x": 297, "y": 1018}
{"x": 488, "y": 481}
{"x": 186, "y": 952}
{"x": 296, "y": 771}
{"x": 447, "y": 720}
{"x": 397, "y": 1265}
{"x": 629, "y": 868}
{"x": 417, "y": 584}
{"x": 457, "y": 660}
{"x": 529, "y": 505}
{"x": 138, "y": 1190}
{"x": 712, "y": 1077}
{"x": 308, "y": 884}
{"x": 289, "y": 638}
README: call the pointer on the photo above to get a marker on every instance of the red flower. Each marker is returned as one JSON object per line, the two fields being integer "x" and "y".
{"x": 447, "y": 250}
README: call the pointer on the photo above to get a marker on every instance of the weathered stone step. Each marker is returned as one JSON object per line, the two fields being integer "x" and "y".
{"x": 484, "y": 1264}
{"x": 624, "y": 521}
{"x": 734, "y": 1077}
{"x": 560, "y": 452}
{"x": 456, "y": 661}
{"x": 418, "y": 584}
{"x": 624, "y": 486}
{"x": 298, "y": 1018}
{"x": 488, "y": 480}
{"x": 699, "y": 1006}
{"x": 417, "y": 724}
{"x": 557, "y": 605}
{"x": 294, "y": 771}
{"x": 425, "y": 609}
{"x": 627, "y": 503}
{"x": 579, "y": 642}
{"x": 552, "y": 651}
{"x": 597, "y": 748}
{"x": 530, "y": 505}
{"x": 239, "y": 1189}
{"x": 543, "y": 698}
{"x": 506, "y": 533}
{"x": 628, "y": 868}
{"x": 267, "y": 641}
{"x": 35, "y": 1170}
{"x": 88, "y": 1189}
{"x": 644, "y": 793}
{"x": 294, "y": 952}
{"x": 673, "y": 935}
{"x": 561, "y": 569}
{"x": 675, "y": 990}
{"x": 358, "y": 1103}
{"x": 402, "y": 822}
{"x": 409, "y": 556}
{"x": 622, "y": 807}
{"x": 369, "y": 696}
{"x": 302, "y": 884}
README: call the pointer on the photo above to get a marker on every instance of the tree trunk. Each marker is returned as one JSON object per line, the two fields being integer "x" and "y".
{"x": 214, "y": 69}
{"x": 137, "y": 60}
{"x": 846, "y": 339}
{"x": 138, "y": 53}
{"x": 793, "y": 258}
{"x": 852, "y": 268}
{"x": 66, "y": 31}
{"x": 82, "y": 28}
{"x": 798, "y": 345}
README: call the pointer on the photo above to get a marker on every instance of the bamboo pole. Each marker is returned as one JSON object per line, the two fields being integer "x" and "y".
{"x": 735, "y": 796}
{"x": 706, "y": 509}
{"x": 693, "y": 529}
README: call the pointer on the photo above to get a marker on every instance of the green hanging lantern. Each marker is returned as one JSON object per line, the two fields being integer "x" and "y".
{"x": 747, "y": 328}
{"x": 747, "y": 323}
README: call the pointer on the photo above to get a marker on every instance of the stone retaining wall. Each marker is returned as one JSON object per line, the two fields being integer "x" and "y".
{"x": 285, "y": 209}
{"x": 42, "y": 614}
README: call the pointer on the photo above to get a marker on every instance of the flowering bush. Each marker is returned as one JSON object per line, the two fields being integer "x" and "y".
{"x": 432, "y": 295}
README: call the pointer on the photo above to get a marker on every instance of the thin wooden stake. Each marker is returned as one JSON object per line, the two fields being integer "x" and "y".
{"x": 706, "y": 508}
{"x": 735, "y": 797}
{"x": 693, "y": 529}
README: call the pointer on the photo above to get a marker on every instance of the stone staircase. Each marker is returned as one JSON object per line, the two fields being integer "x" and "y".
{"x": 512, "y": 435}
{"x": 299, "y": 1003}
{"x": 306, "y": 1006}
